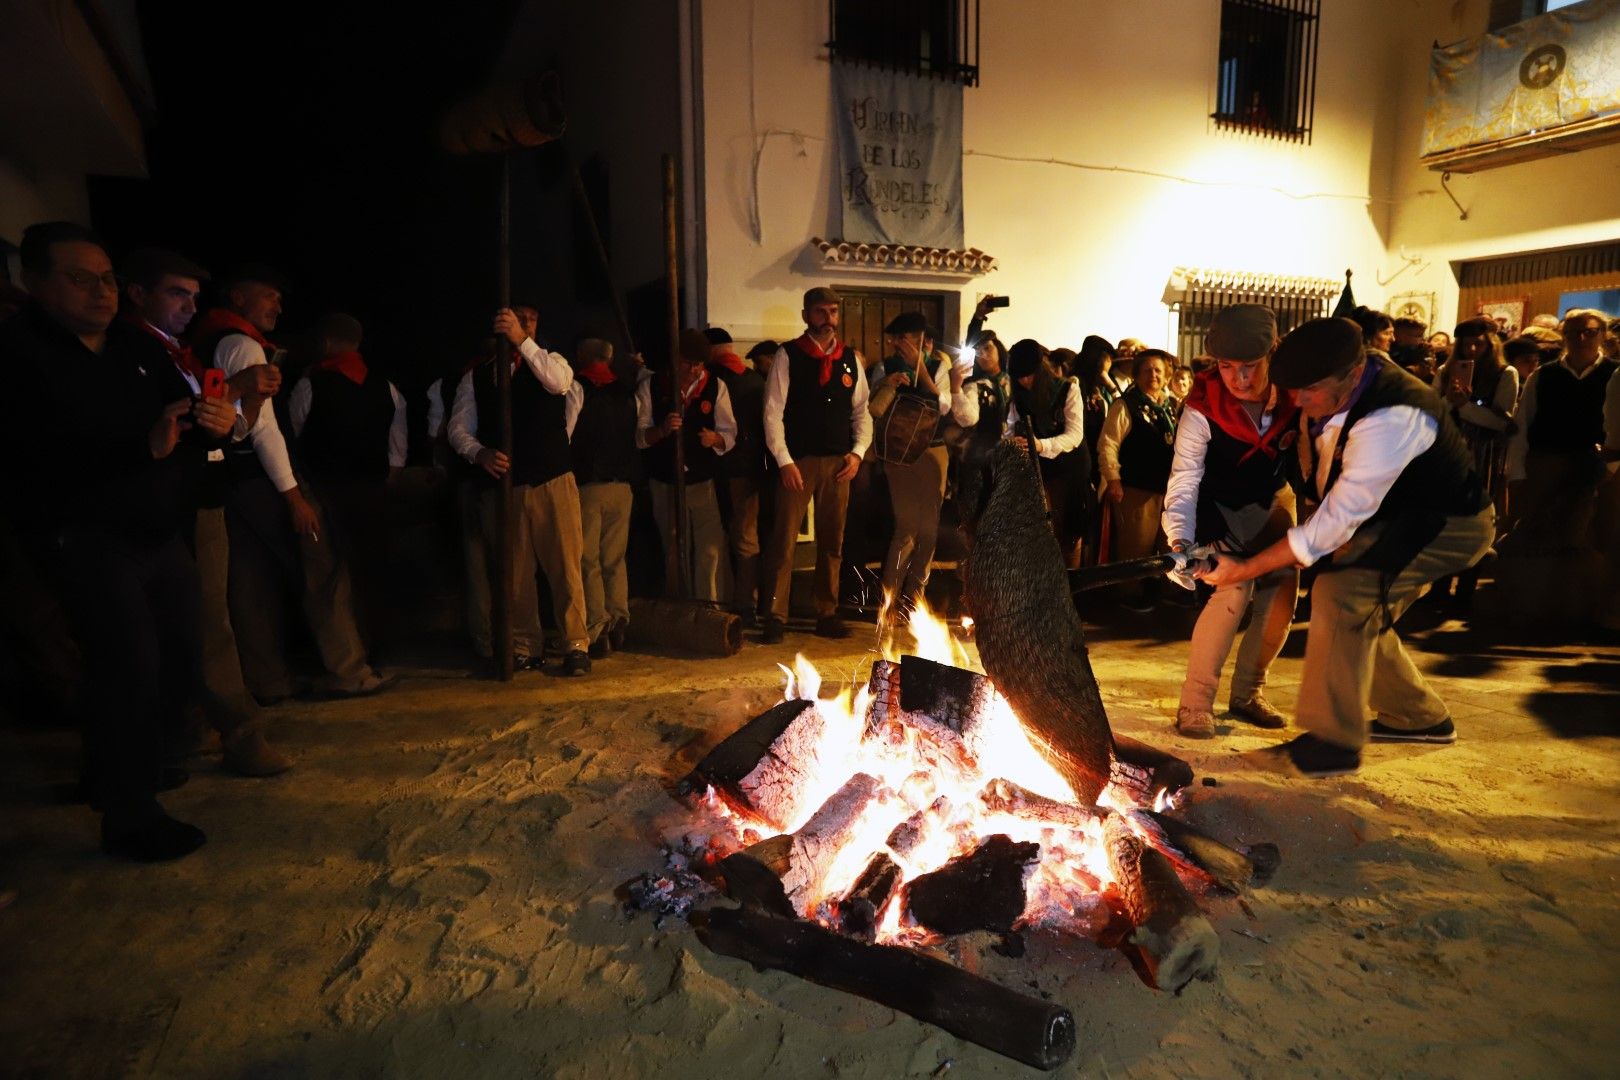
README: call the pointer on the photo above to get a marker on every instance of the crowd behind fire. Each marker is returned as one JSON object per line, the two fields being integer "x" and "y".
{"x": 187, "y": 489}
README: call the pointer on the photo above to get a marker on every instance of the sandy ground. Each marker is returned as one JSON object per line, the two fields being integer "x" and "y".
{"x": 430, "y": 894}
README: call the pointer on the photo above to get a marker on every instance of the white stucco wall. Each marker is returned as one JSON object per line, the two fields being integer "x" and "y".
{"x": 1555, "y": 202}
{"x": 1109, "y": 86}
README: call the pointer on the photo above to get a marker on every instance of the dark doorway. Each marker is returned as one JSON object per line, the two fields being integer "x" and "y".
{"x": 866, "y": 311}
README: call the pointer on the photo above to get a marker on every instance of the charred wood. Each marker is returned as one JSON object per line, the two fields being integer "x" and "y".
{"x": 740, "y": 753}
{"x": 1173, "y": 939}
{"x": 858, "y": 909}
{"x": 777, "y": 874}
{"x": 1145, "y": 770}
{"x": 907, "y": 836}
{"x": 983, "y": 890}
{"x": 1235, "y": 869}
{"x": 1025, "y": 1029}
{"x": 1005, "y": 797}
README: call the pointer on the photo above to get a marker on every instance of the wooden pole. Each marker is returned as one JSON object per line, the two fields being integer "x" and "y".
{"x": 500, "y": 612}
{"x": 679, "y": 586}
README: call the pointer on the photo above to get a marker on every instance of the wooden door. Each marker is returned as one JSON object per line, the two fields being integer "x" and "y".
{"x": 865, "y": 312}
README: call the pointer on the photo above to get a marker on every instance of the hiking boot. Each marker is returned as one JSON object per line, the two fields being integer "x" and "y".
{"x": 775, "y": 630}
{"x": 1195, "y": 723}
{"x": 1317, "y": 758}
{"x": 831, "y": 626}
{"x": 577, "y": 662}
{"x": 1443, "y": 732}
{"x": 250, "y": 754}
{"x": 158, "y": 840}
{"x": 1259, "y": 712}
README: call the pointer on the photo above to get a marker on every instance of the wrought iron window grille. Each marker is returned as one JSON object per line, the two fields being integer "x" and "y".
{"x": 1266, "y": 75}
{"x": 932, "y": 39}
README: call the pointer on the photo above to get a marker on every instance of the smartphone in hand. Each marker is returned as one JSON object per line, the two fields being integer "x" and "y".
{"x": 213, "y": 383}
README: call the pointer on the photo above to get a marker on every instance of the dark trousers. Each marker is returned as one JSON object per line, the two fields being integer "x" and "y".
{"x": 136, "y": 612}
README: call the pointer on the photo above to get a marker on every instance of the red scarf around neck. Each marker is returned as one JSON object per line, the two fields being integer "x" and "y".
{"x": 1210, "y": 397}
{"x": 180, "y": 354}
{"x": 694, "y": 388}
{"x": 722, "y": 356}
{"x": 348, "y": 364}
{"x": 597, "y": 373}
{"x": 224, "y": 321}
{"x": 828, "y": 358}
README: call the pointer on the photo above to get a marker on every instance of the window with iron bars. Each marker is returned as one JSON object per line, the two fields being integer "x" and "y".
{"x": 930, "y": 38}
{"x": 1266, "y": 81}
{"x": 1196, "y": 295}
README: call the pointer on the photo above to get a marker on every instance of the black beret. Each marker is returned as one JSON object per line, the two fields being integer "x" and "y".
{"x": 717, "y": 336}
{"x": 1241, "y": 332}
{"x": 907, "y": 322}
{"x": 1316, "y": 350}
{"x": 764, "y": 348}
{"x": 1024, "y": 358}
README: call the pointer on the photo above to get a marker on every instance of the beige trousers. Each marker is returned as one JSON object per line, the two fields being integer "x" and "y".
{"x": 226, "y": 701}
{"x": 1353, "y": 665}
{"x": 916, "y": 492}
{"x": 832, "y": 503}
{"x": 1136, "y": 524}
{"x": 707, "y": 568}
{"x": 546, "y": 534}
{"x": 604, "y": 515}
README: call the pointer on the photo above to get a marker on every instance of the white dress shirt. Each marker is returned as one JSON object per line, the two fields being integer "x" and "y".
{"x": 576, "y": 401}
{"x": 237, "y": 353}
{"x": 435, "y": 416}
{"x": 548, "y": 367}
{"x": 303, "y": 395}
{"x": 1381, "y": 445}
{"x": 725, "y": 419}
{"x": 1074, "y": 423}
{"x": 776, "y": 395}
{"x": 1180, "y": 517}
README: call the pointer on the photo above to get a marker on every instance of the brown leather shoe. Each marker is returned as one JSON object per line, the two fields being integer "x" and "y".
{"x": 1259, "y": 712}
{"x": 1195, "y": 723}
{"x": 250, "y": 754}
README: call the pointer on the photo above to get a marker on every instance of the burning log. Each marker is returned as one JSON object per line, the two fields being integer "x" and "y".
{"x": 1029, "y": 634}
{"x": 858, "y": 909}
{"x": 983, "y": 890}
{"x": 1175, "y": 941}
{"x": 907, "y": 836}
{"x": 740, "y": 753}
{"x": 767, "y": 764}
{"x": 947, "y": 704}
{"x": 1145, "y": 770}
{"x": 1025, "y": 1029}
{"x": 777, "y": 874}
{"x": 1231, "y": 868}
{"x": 1005, "y": 797}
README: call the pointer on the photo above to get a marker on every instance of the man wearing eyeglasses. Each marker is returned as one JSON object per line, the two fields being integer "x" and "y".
{"x": 107, "y": 439}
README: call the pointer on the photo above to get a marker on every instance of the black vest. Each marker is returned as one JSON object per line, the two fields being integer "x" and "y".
{"x": 1146, "y": 450}
{"x": 816, "y": 418}
{"x": 1238, "y": 475}
{"x": 603, "y": 447}
{"x": 747, "y": 392}
{"x": 539, "y": 426}
{"x": 1439, "y": 483}
{"x": 345, "y": 435}
{"x": 1569, "y": 410}
{"x": 698, "y": 417}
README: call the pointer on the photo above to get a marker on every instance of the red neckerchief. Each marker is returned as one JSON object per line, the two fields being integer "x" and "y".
{"x": 828, "y": 359}
{"x": 180, "y": 354}
{"x": 348, "y": 364}
{"x": 696, "y": 391}
{"x": 598, "y": 373}
{"x": 725, "y": 358}
{"x": 224, "y": 320}
{"x": 1210, "y": 397}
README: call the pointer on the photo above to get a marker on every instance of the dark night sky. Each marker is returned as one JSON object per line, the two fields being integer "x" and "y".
{"x": 309, "y": 142}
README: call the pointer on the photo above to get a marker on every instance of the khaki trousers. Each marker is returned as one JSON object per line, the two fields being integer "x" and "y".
{"x": 743, "y": 532}
{"x": 1254, "y": 528}
{"x": 1353, "y": 664}
{"x": 546, "y": 533}
{"x": 706, "y": 566}
{"x": 226, "y": 702}
{"x": 604, "y": 517}
{"x": 1136, "y": 524}
{"x": 832, "y": 504}
{"x": 916, "y": 492}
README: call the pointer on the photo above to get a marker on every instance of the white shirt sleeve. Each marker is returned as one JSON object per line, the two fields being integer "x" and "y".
{"x": 303, "y": 395}
{"x": 464, "y": 420}
{"x": 644, "y": 412}
{"x": 725, "y": 420}
{"x": 435, "y": 417}
{"x": 398, "y": 430}
{"x": 236, "y": 353}
{"x": 942, "y": 383}
{"x": 1382, "y": 443}
{"x": 572, "y": 403}
{"x": 965, "y": 406}
{"x": 1498, "y": 415}
{"x": 1074, "y": 424}
{"x": 860, "y": 420}
{"x": 776, "y": 392}
{"x": 549, "y": 367}
{"x": 1519, "y": 445}
{"x": 1180, "y": 519}
{"x": 1115, "y": 427}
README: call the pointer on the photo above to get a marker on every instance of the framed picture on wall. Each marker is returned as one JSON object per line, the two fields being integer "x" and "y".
{"x": 1413, "y": 305}
{"x": 1507, "y": 314}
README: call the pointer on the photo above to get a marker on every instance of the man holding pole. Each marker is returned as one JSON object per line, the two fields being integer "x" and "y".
{"x": 817, "y": 428}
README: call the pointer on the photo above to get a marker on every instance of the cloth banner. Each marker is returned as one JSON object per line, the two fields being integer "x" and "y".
{"x": 899, "y": 156}
{"x": 1533, "y": 76}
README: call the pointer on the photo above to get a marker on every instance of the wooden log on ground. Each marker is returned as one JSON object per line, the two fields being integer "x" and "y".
{"x": 1235, "y": 869}
{"x": 858, "y": 909}
{"x": 1029, "y": 634}
{"x": 689, "y": 626}
{"x": 1144, "y": 771}
{"x": 796, "y": 862}
{"x": 740, "y": 753}
{"x": 1174, "y": 940}
{"x": 983, "y": 890}
{"x": 1026, "y": 1029}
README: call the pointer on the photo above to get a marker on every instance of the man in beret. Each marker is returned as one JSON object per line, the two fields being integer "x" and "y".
{"x": 1399, "y": 505}
{"x": 1228, "y": 487}
{"x": 817, "y": 428}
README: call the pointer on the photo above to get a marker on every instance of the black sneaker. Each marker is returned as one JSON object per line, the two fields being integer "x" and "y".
{"x": 528, "y": 663}
{"x": 601, "y": 648}
{"x": 832, "y": 627}
{"x": 577, "y": 662}
{"x": 1318, "y": 758}
{"x": 775, "y": 630}
{"x": 158, "y": 840}
{"x": 1443, "y": 732}
{"x": 615, "y": 635}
